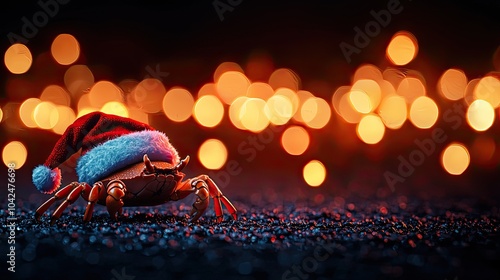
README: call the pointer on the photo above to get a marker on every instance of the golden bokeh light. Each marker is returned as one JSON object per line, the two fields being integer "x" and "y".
{"x": 138, "y": 115}
{"x": 65, "y": 49}
{"x": 178, "y": 104}
{"x": 452, "y": 84}
{"x": 367, "y": 72}
{"x": 411, "y": 88}
{"x": 279, "y": 109}
{"x": 371, "y": 88}
{"x": 393, "y": 76}
{"x": 14, "y": 152}
{"x": 480, "y": 115}
{"x": 290, "y": 95}
{"x": 393, "y": 111}
{"x": 115, "y": 108}
{"x": 469, "y": 91}
{"x": 208, "y": 111}
{"x": 455, "y": 159}
{"x": 316, "y": 112}
{"x": 314, "y": 173}
{"x": 56, "y": 95}
{"x": 1, "y": 115}
{"x": 26, "y": 111}
{"x": 207, "y": 89}
{"x": 78, "y": 79}
{"x": 86, "y": 110}
{"x": 337, "y": 96}
{"x": 402, "y": 49}
{"x": 370, "y": 129}
{"x": 346, "y": 110}
{"x": 46, "y": 115}
{"x": 260, "y": 90}
{"x": 148, "y": 95}
{"x": 103, "y": 92}
{"x": 303, "y": 95}
{"x": 235, "y": 110}
{"x": 231, "y": 85}
{"x": 253, "y": 116}
{"x": 488, "y": 89}
{"x": 66, "y": 117}
{"x": 386, "y": 88}
{"x": 226, "y": 67}
{"x": 212, "y": 154}
{"x": 295, "y": 140}
{"x": 284, "y": 78}
{"x": 360, "y": 101}
{"x": 424, "y": 112}
{"x": 18, "y": 59}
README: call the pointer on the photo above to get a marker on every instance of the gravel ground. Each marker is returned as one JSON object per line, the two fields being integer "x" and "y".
{"x": 342, "y": 238}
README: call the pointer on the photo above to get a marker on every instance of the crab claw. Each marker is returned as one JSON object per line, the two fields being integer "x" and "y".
{"x": 183, "y": 163}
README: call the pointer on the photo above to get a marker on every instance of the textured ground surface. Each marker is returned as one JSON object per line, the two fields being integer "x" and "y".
{"x": 346, "y": 238}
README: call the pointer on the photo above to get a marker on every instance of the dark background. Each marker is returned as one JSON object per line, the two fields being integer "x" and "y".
{"x": 187, "y": 39}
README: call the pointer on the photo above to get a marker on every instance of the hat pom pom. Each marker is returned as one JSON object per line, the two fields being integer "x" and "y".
{"x": 46, "y": 180}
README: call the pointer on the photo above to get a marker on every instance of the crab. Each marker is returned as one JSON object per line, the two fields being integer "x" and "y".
{"x": 147, "y": 183}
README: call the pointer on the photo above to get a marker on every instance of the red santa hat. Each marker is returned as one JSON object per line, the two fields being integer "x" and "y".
{"x": 107, "y": 143}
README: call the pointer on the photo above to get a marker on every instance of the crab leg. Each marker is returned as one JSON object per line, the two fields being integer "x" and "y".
{"x": 60, "y": 194}
{"x": 72, "y": 197}
{"x": 116, "y": 191}
{"x": 93, "y": 197}
{"x": 217, "y": 195}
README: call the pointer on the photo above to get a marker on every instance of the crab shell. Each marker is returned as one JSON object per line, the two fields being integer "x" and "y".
{"x": 142, "y": 189}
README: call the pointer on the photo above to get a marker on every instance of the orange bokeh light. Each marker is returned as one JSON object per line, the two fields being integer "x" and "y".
{"x": 452, "y": 84}
{"x": 285, "y": 78}
{"x": 178, "y": 104}
{"x": 65, "y": 49}
{"x": 18, "y": 59}
{"x": 231, "y": 85}
{"x": 402, "y": 49}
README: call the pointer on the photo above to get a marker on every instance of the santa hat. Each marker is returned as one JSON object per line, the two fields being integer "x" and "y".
{"x": 107, "y": 143}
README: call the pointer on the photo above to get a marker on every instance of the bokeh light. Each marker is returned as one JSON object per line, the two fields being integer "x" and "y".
{"x": 208, "y": 111}
{"x": 78, "y": 79}
{"x": 368, "y": 72}
{"x": 303, "y": 95}
{"x": 46, "y": 115}
{"x": 411, "y": 88}
{"x": 253, "y": 116}
{"x": 65, "y": 49}
{"x": 103, "y": 92}
{"x": 231, "y": 85}
{"x": 1, "y": 115}
{"x": 371, "y": 89}
{"x": 207, "y": 89}
{"x": 26, "y": 111}
{"x": 279, "y": 109}
{"x": 314, "y": 173}
{"x": 148, "y": 95}
{"x": 56, "y": 95}
{"x": 370, "y": 129}
{"x": 360, "y": 101}
{"x": 260, "y": 90}
{"x": 402, "y": 49}
{"x": 393, "y": 111}
{"x": 452, "y": 84}
{"x": 212, "y": 154}
{"x": 178, "y": 104}
{"x": 285, "y": 78}
{"x": 315, "y": 112}
{"x": 235, "y": 110}
{"x": 295, "y": 140}
{"x": 18, "y": 59}
{"x": 480, "y": 115}
{"x": 15, "y": 152}
{"x": 66, "y": 117}
{"x": 488, "y": 88}
{"x": 347, "y": 111}
{"x": 424, "y": 112}
{"x": 455, "y": 158}
{"x": 115, "y": 108}
{"x": 226, "y": 67}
